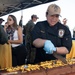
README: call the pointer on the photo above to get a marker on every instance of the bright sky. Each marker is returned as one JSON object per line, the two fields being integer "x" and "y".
{"x": 67, "y": 11}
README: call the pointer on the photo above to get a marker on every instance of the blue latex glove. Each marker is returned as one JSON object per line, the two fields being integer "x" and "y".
{"x": 49, "y": 47}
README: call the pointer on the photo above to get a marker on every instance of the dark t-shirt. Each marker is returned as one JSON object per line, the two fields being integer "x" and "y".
{"x": 3, "y": 36}
{"x": 58, "y": 34}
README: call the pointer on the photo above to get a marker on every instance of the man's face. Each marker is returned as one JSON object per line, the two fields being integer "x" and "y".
{"x": 34, "y": 19}
{"x": 52, "y": 19}
{"x": 64, "y": 21}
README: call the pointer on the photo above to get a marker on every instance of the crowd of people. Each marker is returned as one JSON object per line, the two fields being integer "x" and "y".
{"x": 45, "y": 37}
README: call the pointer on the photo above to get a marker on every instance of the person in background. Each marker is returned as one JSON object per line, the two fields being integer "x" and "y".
{"x": 3, "y": 36}
{"x": 27, "y": 32}
{"x": 1, "y": 21}
{"x": 15, "y": 37}
{"x": 20, "y": 22}
{"x": 30, "y": 24}
{"x": 74, "y": 33}
{"x": 50, "y": 36}
{"x": 65, "y": 22}
{"x": 5, "y": 50}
